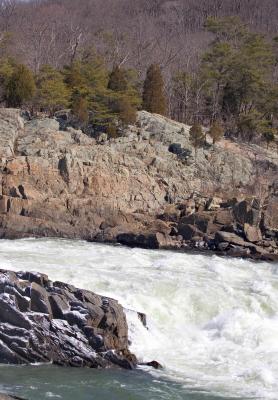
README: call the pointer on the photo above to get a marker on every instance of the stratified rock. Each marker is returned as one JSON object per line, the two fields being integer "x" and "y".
{"x": 64, "y": 325}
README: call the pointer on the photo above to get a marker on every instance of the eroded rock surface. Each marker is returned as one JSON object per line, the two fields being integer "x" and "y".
{"x": 45, "y": 321}
{"x": 143, "y": 189}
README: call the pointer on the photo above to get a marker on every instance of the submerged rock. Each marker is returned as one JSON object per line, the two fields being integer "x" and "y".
{"x": 59, "y": 323}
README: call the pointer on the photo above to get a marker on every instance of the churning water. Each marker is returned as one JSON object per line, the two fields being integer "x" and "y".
{"x": 212, "y": 323}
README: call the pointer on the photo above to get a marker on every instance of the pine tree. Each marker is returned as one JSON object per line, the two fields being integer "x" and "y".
{"x": 53, "y": 93}
{"x": 90, "y": 77}
{"x": 216, "y": 131}
{"x": 20, "y": 87}
{"x": 79, "y": 107}
{"x": 127, "y": 113}
{"x": 196, "y": 137}
{"x": 154, "y": 99}
{"x": 117, "y": 80}
{"x": 124, "y": 96}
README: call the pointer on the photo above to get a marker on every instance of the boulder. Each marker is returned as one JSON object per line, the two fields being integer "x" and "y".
{"x": 252, "y": 233}
{"x": 247, "y": 211}
{"x": 199, "y": 219}
{"x": 188, "y": 232}
{"x": 224, "y": 217}
{"x": 39, "y": 299}
{"x": 146, "y": 240}
{"x": 229, "y": 237}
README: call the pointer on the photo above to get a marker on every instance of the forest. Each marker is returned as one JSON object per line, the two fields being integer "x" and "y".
{"x": 208, "y": 62}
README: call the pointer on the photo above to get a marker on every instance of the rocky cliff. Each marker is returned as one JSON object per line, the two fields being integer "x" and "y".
{"x": 139, "y": 189}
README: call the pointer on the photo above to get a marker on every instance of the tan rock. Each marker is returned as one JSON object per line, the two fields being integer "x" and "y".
{"x": 252, "y": 233}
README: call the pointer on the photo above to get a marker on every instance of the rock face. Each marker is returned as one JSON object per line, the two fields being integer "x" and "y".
{"x": 44, "y": 321}
{"x": 144, "y": 188}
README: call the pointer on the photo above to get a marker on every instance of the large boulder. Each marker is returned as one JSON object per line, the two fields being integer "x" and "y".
{"x": 188, "y": 232}
{"x": 229, "y": 237}
{"x": 147, "y": 240}
{"x": 252, "y": 233}
{"x": 64, "y": 325}
{"x": 248, "y": 211}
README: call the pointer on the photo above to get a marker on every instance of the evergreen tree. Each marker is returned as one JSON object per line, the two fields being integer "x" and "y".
{"x": 79, "y": 107}
{"x": 216, "y": 131}
{"x": 238, "y": 68}
{"x": 196, "y": 137}
{"x": 90, "y": 77}
{"x": 20, "y": 86}
{"x": 127, "y": 112}
{"x": 53, "y": 93}
{"x": 117, "y": 80}
{"x": 124, "y": 96}
{"x": 154, "y": 99}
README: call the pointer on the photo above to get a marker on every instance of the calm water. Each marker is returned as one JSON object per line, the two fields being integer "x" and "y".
{"x": 213, "y": 323}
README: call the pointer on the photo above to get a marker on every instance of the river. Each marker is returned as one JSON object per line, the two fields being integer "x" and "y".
{"x": 212, "y": 323}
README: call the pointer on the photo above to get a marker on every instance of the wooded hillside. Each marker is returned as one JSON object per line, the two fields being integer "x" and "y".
{"x": 218, "y": 58}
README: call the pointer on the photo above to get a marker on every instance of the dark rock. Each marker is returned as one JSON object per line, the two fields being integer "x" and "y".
{"x": 147, "y": 240}
{"x": 39, "y": 299}
{"x": 59, "y": 306}
{"x": 10, "y": 313}
{"x": 182, "y": 153}
{"x": 223, "y": 246}
{"x": 200, "y": 219}
{"x": 64, "y": 325}
{"x": 247, "y": 212}
{"x": 22, "y": 301}
{"x": 143, "y": 318}
{"x": 154, "y": 364}
{"x": 188, "y": 232}
{"x": 118, "y": 358}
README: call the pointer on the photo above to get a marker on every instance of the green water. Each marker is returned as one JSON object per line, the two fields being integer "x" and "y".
{"x": 45, "y": 382}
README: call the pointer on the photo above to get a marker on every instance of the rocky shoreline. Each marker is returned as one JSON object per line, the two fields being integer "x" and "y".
{"x": 51, "y": 322}
{"x": 143, "y": 189}
{"x": 233, "y": 228}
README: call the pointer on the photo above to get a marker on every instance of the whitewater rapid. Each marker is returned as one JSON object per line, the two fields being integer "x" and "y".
{"x": 212, "y": 322}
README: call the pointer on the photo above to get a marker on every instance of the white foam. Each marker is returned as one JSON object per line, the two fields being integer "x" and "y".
{"x": 213, "y": 322}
